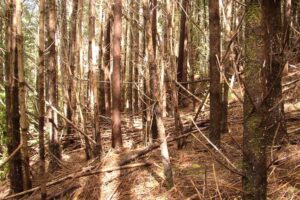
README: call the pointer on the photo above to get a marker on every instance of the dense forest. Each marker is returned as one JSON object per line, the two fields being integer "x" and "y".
{"x": 148, "y": 99}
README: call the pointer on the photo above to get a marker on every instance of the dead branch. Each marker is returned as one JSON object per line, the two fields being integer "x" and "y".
{"x": 82, "y": 173}
{"x": 11, "y": 155}
{"x": 63, "y": 192}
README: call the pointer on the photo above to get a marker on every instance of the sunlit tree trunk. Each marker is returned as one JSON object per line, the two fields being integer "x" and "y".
{"x": 24, "y": 124}
{"x": 106, "y": 62}
{"x": 170, "y": 54}
{"x": 92, "y": 90}
{"x": 154, "y": 83}
{"x": 54, "y": 144}
{"x": 116, "y": 83}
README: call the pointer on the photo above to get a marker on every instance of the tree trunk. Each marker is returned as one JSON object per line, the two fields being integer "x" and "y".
{"x": 101, "y": 71}
{"x": 154, "y": 83}
{"x": 93, "y": 95}
{"x": 274, "y": 102}
{"x": 254, "y": 159}
{"x": 24, "y": 124}
{"x": 106, "y": 58}
{"x": 182, "y": 67}
{"x": 41, "y": 96}
{"x": 54, "y": 146}
{"x": 116, "y": 84}
{"x": 172, "y": 73}
{"x": 136, "y": 47}
{"x": 215, "y": 86}
{"x": 12, "y": 93}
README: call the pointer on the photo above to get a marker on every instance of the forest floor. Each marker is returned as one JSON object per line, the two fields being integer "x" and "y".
{"x": 199, "y": 173}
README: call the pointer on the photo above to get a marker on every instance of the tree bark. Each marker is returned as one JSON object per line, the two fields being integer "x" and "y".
{"x": 106, "y": 58}
{"x": 116, "y": 83}
{"x": 54, "y": 146}
{"x": 12, "y": 93}
{"x": 24, "y": 124}
{"x": 93, "y": 95}
{"x": 41, "y": 96}
{"x": 154, "y": 83}
{"x": 182, "y": 67}
{"x": 254, "y": 159}
{"x": 214, "y": 74}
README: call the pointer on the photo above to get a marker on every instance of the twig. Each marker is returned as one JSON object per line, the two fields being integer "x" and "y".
{"x": 62, "y": 193}
{"x": 11, "y": 155}
{"x": 195, "y": 97}
{"x": 114, "y": 191}
{"x": 69, "y": 122}
{"x": 215, "y": 177}
{"x": 214, "y": 146}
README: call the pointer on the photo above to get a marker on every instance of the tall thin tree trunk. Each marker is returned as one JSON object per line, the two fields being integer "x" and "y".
{"x": 54, "y": 144}
{"x": 136, "y": 47}
{"x": 24, "y": 124}
{"x": 254, "y": 146}
{"x": 41, "y": 96}
{"x": 101, "y": 70}
{"x": 93, "y": 95}
{"x": 154, "y": 83}
{"x": 106, "y": 57}
{"x": 64, "y": 61}
{"x": 12, "y": 93}
{"x": 116, "y": 84}
{"x": 172, "y": 72}
{"x": 130, "y": 62}
{"x": 274, "y": 101}
{"x": 182, "y": 68}
{"x": 215, "y": 86}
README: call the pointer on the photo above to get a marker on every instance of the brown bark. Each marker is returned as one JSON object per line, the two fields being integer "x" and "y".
{"x": 154, "y": 82}
{"x": 107, "y": 47}
{"x": 130, "y": 62}
{"x": 182, "y": 67}
{"x": 101, "y": 71}
{"x": 12, "y": 102}
{"x": 54, "y": 146}
{"x": 116, "y": 84}
{"x": 92, "y": 93}
{"x": 64, "y": 61}
{"x": 136, "y": 47}
{"x": 152, "y": 41}
{"x": 274, "y": 102}
{"x": 24, "y": 124}
{"x": 41, "y": 96}
{"x": 172, "y": 73}
{"x": 215, "y": 87}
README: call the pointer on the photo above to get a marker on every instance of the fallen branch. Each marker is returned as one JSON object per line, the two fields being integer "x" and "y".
{"x": 65, "y": 191}
{"x": 69, "y": 122}
{"x": 11, "y": 155}
{"x": 82, "y": 173}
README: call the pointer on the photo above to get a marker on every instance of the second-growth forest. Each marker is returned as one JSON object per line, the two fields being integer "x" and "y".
{"x": 150, "y": 99}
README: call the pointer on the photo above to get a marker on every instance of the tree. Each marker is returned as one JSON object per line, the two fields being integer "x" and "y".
{"x": 263, "y": 107}
{"x": 214, "y": 74}
{"x": 182, "y": 67}
{"x": 92, "y": 93}
{"x": 273, "y": 55}
{"x": 54, "y": 145}
{"x": 106, "y": 62}
{"x": 154, "y": 82}
{"x": 12, "y": 93}
{"x": 24, "y": 124}
{"x": 41, "y": 96}
{"x": 116, "y": 84}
